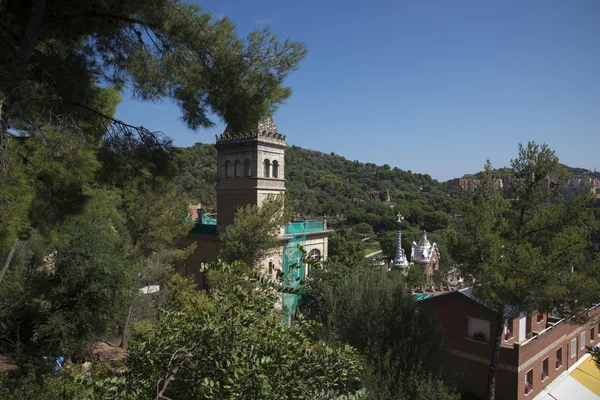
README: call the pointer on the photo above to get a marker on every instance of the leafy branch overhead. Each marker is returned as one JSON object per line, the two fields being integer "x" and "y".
{"x": 58, "y": 57}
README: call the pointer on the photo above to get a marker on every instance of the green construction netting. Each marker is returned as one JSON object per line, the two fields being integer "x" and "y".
{"x": 206, "y": 220}
{"x": 204, "y": 226}
{"x": 293, "y": 269}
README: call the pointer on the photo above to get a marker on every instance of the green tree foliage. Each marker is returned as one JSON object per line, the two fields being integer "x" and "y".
{"x": 526, "y": 250}
{"x": 364, "y": 229}
{"x": 196, "y": 168}
{"x": 387, "y": 241}
{"x": 65, "y": 303}
{"x": 57, "y": 52}
{"x": 240, "y": 349}
{"x": 254, "y": 231}
{"x": 404, "y": 351}
{"x": 321, "y": 184}
{"x": 415, "y": 275}
{"x": 16, "y": 196}
{"x": 345, "y": 248}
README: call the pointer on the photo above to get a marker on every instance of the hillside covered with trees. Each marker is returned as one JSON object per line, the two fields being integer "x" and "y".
{"x": 349, "y": 193}
{"x": 92, "y": 210}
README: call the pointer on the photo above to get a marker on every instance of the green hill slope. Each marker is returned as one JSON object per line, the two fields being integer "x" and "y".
{"x": 348, "y": 192}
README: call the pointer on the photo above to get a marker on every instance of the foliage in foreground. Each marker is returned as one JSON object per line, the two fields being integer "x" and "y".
{"x": 405, "y": 355}
{"x": 254, "y": 231}
{"x": 525, "y": 249}
{"x": 232, "y": 344}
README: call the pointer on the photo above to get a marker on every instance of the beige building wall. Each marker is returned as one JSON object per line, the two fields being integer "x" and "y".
{"x": 206, "y": 251}
{"x": 238, "y": 185}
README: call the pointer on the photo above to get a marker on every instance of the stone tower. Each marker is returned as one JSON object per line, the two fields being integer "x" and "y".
{"x": 250, "y": 168}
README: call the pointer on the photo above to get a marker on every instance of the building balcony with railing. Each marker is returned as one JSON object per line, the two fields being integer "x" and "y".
{"x": 305, "y": 227}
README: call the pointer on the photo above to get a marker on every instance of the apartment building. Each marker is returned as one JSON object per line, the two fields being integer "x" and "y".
{"x": 535, "y": 349}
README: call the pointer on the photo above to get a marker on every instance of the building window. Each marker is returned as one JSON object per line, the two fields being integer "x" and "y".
{"x": 593, "y": 334}
{"x": 266, "y": 167}
{"x": 478, "y": 329}
{"x": 582, "y": 340}
{"x": 238, "y": 169}
{"x": 559, "y": 358}
{"x": 228, "y": 169}
{"x": 275, "y": 169}
{"x": 573, "y": 348}
{"x": 247, "y": 168}
{"x": 540, "y": 317}
{"x": 529, "y": 382}
{"x": 545, "y": 369}
{"x": 508, "y": 334}
{"x": 315, "y": 254}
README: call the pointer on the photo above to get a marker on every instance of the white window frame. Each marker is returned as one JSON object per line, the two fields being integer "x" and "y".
{"x": 573, "y": 347}
{"x": 547, "y": 359}
{"x": 561, "y": 358}
{"x": 531, "y": 383}
{"x": 485, "y": 329}
{"x": 582, "y": 341}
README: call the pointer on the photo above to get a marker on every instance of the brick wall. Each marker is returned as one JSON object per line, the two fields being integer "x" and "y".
{"x": 532, "y": 353}
{"x": 472, "y": 357}
{"x": 452, "y": 311}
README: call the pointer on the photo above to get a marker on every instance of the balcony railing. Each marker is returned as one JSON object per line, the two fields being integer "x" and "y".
{"x": 298, "y": 228}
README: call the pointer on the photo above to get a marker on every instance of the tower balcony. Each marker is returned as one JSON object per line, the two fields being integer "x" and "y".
{"x": 302, "y": 227}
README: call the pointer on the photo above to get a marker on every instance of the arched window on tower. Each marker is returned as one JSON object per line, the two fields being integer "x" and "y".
{"x": 315, "y": 254}
{"x": 238, "y": 169}
{"x": 228, "y": 169}
{"x": 275, "y": 169}
{"x": 266, "y": 167}
{"x": 247, "y": 168}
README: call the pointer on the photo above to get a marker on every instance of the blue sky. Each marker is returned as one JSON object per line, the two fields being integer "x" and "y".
{"x": 435, "y": 87}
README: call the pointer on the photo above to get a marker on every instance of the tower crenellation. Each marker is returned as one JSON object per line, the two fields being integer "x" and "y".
{"x": 250, "y": 168}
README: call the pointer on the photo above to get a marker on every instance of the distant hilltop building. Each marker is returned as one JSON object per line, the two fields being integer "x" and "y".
{"x": 580, "y": 184}
{"x": 250, "y": 169}
{"x": 465, "y": 183}
{"x": 470, "y": 185}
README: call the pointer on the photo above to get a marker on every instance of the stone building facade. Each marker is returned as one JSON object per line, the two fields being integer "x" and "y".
{"x": 250, "y": 168}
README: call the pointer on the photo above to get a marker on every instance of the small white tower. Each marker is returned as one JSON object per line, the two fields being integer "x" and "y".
{"x": 400, "y": 260}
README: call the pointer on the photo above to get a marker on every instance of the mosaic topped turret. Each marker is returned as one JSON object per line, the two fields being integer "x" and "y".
{"x": 400, "y": 260}
{"x": 266, "y": 129}
{"x": 423, "y": 251}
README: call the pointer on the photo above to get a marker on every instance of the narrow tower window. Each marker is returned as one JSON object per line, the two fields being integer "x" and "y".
{"x": 275, "y": 169}
{"x": 266, "y": 167}
{"x": 228, "y": 169}
{"x": 238, "y": 169}
{"x": 247, "y": 168}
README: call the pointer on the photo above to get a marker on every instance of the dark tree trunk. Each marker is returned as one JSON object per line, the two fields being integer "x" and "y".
{"x": 124, "y": 332}
{"x": 30, "y": 38}
{"x": 497, "y": 340}
{"x": 8, "y": 259}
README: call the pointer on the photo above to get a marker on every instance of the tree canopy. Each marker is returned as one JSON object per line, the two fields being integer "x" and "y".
{"x": 525, "y": 249}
